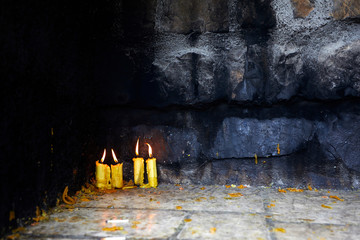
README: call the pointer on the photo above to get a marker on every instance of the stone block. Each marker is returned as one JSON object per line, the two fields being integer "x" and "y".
{"x": 192, "y": 16}
{"x": 346, "y": 9}
{"x": 302, "y": 8}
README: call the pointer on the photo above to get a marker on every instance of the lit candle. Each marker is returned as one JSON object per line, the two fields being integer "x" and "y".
{"x": 116, "y": 172}
{"x": 151, "y": 169}
{"x": 138, "y": 167}
{"x": 102, "y": 174}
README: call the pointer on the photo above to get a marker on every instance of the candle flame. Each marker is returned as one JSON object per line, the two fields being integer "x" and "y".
{"x": 103, "y": 156}
{"x": 150, "y": 150}
{"x": 137, "y": 148}
{"x": 114, "y": 156}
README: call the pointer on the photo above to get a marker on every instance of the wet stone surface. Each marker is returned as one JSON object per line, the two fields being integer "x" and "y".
{"x": 206, "y": 212}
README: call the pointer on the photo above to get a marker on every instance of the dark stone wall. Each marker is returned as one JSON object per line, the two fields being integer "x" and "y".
{"x": 48, "y": 116}
{"x": 211, "y": 84}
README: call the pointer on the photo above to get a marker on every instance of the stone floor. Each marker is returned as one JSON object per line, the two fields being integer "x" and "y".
{"x": 205, "y": 212}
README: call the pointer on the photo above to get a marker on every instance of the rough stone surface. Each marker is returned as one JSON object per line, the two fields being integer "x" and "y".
{"x": 302, "y": 8}
{"x": 307, "y": 55}
{"x": 242, "y": 138}
{"x": 255, "y": 14}
{"x": 206, "y": 213}
{"x": 338, "y": 139}
{"x": 295, "y": 144}
{"x": 346, "y": 9}
{"x": 192, "y": 16}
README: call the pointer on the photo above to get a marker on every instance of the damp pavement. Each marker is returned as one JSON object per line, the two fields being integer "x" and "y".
{"x": 205, "y": 212}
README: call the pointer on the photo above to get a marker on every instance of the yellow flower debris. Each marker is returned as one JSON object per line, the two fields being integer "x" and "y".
{"x": 336, "y": 197}
{"x": 19, "y": 229}
{"x": 309, "y": 187}
{"x": 227, "y": 186}
{"x": 11, "y": 215}
{"x": 213, "y": 230}
{"x": 112, "y": 229}
{"x": 13, "y": 236}
{"x": 294, "y": 190}
{"x": 85, "y": 199}
{"x": 256, "y": 160}
{"x": 233, "y": 185}
{"x": 271, "y": 205}
{"x": 178, "y": 207}
{"x": 241, "y": 187}
{"x": 278, "y": 230}
{"x": 235, "y": 194}
{"x": 278, "y": 148}
{"x": 281, "y": 190}
{"x": 199, "y": 199}
{"x": 203, "y": 188}
{"x": 67, "y": 199}
{"x": 40, "y": 215}
{"x": 325, "y": 206}
{"x": 187, "y": 220}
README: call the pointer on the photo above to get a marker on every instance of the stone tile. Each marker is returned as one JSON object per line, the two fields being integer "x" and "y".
{"x": 191, "y": 198}
{"x": 315, "y": 231}
{"x": 153, "y": 214}
{"x": 307, "y": 207}
{"x": 89, "y": 222}
{"x": 228, "y": 226}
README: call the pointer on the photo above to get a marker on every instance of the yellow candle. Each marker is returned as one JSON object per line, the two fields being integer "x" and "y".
{"x": 151, "y": 169}
{"x": 116, "y": 173}
{"x": 102, "y": 174}
{"x": 138, "y": 171}
{"x": 138, "y": 167}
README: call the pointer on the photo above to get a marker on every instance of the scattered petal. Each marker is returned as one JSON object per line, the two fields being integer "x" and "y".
{"x": 325, "y": 206}
{"x": 11, "y": 215}
{"x": 19, "y": 229}
{"x": 278, "y": 230}
{"x": 336, "y": 197}
{"x": 85, "y": 200}
{"x": 178, "y": 207}
{"x": 281, "y": 190}
{"x": 200, "y": 199}
{"x": 241, "y": 187}
{"x": 235, "y": 194}
{"x": 112, "y": 229}
{"x": 187, "y": 220}
{"x": 213, "y": 230}
{"x": 294, "y": 190}
{"x": 13, "y": 236}
{"x": 309, "y": 187}
{"x": 203, "y": 188}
